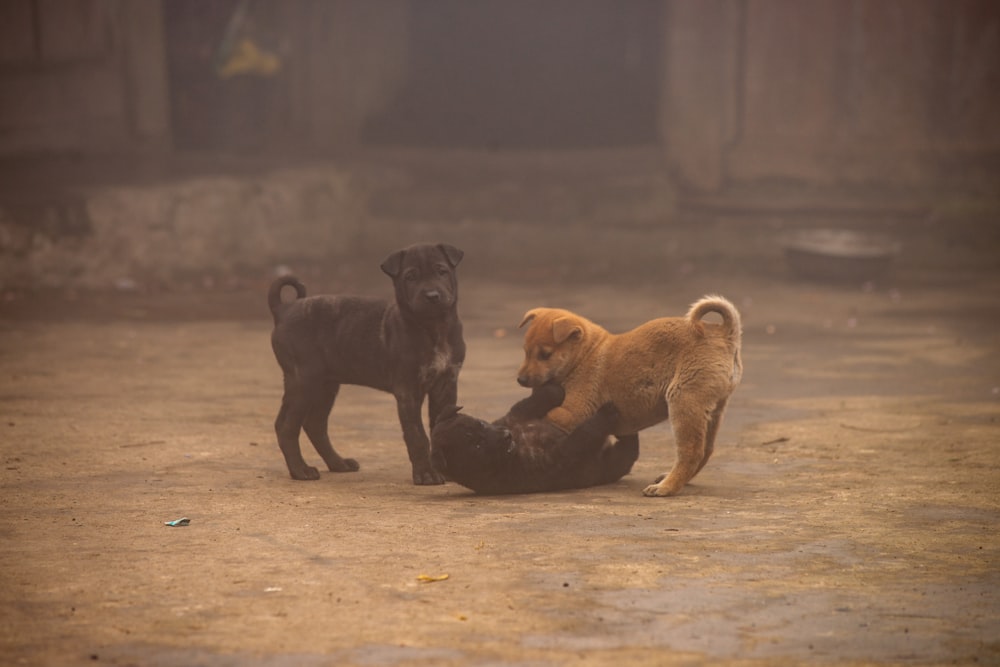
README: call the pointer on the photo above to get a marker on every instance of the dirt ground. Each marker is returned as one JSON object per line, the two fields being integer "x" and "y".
{"x": 849, "y": 516}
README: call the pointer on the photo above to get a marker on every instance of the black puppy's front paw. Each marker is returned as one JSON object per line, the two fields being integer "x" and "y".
{"x": 306, "y": 473}
{"x": 427, "y": 477}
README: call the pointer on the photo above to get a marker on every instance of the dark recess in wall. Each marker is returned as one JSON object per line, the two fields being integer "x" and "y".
{"x": 521, "y": 74}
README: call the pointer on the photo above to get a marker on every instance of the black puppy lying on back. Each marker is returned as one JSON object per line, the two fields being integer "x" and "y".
{"x": 522, "y": 452}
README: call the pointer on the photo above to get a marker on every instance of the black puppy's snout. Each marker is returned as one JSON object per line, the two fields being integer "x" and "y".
{"x": 432, "y": 295}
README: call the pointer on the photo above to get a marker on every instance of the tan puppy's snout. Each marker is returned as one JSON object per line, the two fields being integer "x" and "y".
{"x": 531, "y": 374}
{"x": 550, "y": 343}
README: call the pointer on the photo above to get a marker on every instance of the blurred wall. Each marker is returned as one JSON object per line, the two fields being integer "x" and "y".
{"x": 336, "y": 63}
{"x": 820, "y": 91}
{"x": 81, "y": 76}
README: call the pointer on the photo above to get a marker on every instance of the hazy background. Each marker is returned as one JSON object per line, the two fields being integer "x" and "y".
{"x": 157, "y": 143}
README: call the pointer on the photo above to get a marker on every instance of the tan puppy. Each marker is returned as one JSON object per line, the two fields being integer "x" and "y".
{"x": 676, "y": 366}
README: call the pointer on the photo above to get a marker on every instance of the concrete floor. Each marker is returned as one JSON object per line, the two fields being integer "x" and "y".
{"x": 849, "y": 516}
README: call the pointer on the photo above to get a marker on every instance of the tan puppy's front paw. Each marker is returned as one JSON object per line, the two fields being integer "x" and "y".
{"x": 657, "y": 491}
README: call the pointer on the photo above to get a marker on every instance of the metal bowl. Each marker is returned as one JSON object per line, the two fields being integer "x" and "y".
{"x": 839, "y": 255}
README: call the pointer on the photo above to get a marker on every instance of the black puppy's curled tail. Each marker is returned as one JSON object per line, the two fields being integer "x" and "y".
{"x": 274, "y": 293}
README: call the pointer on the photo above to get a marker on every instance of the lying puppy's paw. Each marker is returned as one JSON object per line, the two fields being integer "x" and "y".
{"x": 427, "y": 477}
{"x": 608, "y": 411}
{"x": 550, "y": 393}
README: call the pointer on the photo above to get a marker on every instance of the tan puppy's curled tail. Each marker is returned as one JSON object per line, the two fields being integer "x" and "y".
{"x": 714, "y": 303}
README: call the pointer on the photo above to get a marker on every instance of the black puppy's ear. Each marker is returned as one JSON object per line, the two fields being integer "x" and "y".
{"x": 453, "y": 254}
{"x": 447, "y": 412}
{"x": 393, "y": 263}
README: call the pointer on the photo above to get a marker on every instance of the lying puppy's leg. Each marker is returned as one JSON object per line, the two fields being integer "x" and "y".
{"x": 587, "y": 439}
{"x": 616, "y": 461}
{"x": 537, "y": 405}
{"x": 442, "y": 396}
{"x": 585, "y": 457}
{"x": 628, "y": 445}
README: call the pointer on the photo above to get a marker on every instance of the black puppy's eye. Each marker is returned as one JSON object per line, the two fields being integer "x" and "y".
{"x": 544, "y": 355}
{"x": 442, "y": 270}
{"x": 410, "y": 275}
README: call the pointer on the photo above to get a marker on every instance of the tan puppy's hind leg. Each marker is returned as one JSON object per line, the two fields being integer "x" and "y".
{"x": 714, "y": 421}
{"x": 690, "y": 426}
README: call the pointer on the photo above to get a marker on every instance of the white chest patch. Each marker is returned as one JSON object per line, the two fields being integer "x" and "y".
{"x": 439, "y": 363}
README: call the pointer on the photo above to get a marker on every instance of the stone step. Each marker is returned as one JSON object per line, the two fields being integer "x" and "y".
{"x": 624, "y": 187}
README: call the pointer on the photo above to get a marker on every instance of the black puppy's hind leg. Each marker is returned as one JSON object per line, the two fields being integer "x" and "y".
{"x": 614, "y": 462}
{"x": 714, "y": 421}
{"x": 589, "y": 437}
{"x": 627, "y": 447}
{"x": 287, "y": 427}
{"x": 316, "y": 426}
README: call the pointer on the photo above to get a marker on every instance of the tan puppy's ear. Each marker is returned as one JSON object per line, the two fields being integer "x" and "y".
{"x": 565, "y": 328}
{"x": 528, "y": 316}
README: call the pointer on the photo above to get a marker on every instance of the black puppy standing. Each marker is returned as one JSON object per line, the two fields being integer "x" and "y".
{"x": 411, "y": 348}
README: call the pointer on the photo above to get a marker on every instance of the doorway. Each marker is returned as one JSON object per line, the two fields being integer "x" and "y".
{"x": 516, "y": 74}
